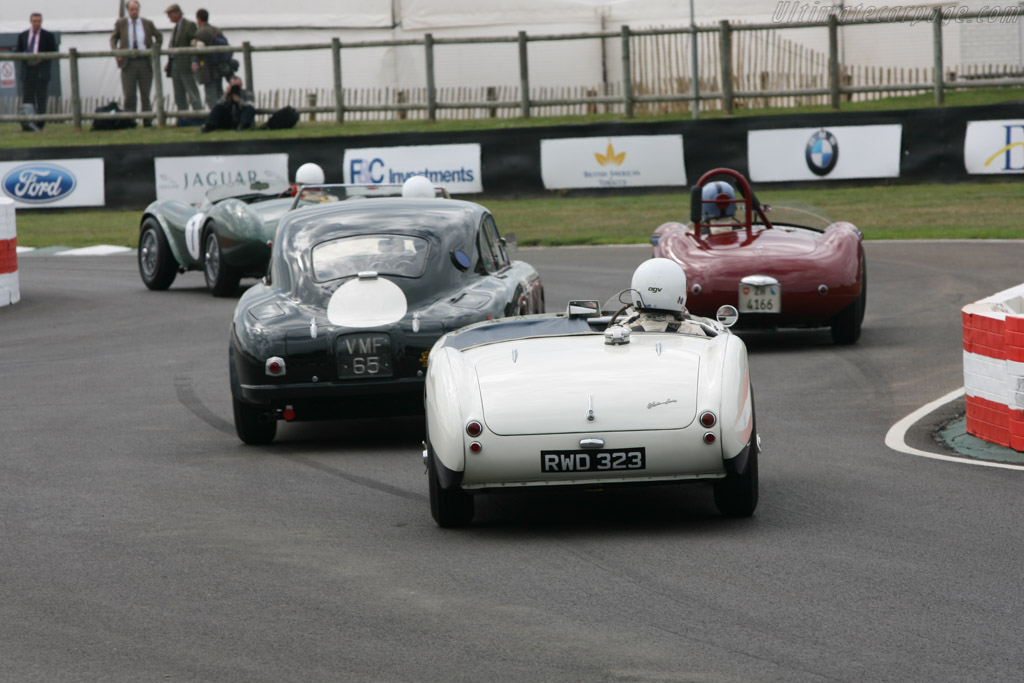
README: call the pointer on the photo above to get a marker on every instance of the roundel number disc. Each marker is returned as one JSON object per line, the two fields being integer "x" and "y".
{"x": 194, "y": 235}
{"x": 367, "y": 302}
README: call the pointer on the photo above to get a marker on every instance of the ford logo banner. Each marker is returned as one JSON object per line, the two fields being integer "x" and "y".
{"x": 39, "y": 183}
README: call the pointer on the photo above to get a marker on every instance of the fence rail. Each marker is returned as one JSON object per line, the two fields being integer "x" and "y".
{"x": 729, "y": 66}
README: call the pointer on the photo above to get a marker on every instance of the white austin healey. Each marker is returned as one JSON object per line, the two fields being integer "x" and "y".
{"x": 582, "y": 399}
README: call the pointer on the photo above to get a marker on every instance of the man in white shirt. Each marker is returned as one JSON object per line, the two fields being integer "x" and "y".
{"x": 135, "y": 33}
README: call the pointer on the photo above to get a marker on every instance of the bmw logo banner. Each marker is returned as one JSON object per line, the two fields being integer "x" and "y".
{"x": 831, "y": 153}
{"x": 53, "y": 184}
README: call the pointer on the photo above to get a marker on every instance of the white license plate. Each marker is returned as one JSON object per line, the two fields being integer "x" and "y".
{"x": 365, "y": 354}
{"x": 593, "y": 461}
{"x": 760, "y": 298}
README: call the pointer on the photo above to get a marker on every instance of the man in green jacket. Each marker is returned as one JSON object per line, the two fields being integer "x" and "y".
{"x": 179, "y": 68}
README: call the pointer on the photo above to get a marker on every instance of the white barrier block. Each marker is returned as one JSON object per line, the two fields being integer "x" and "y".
{"x": 10, "y": 292}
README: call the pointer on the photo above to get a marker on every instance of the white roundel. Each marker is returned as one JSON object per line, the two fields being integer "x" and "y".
{"x": 367, "y": 302}
{"x": 194, "y": 235}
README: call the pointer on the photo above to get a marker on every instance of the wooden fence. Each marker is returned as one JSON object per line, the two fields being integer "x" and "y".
{"x": 744, "y": 66}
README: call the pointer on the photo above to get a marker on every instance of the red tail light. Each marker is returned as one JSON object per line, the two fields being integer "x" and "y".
{"x": 474, "y": 428}
{"x": 288, "y": 414}
{"x": 708, "y": 419}
{"x": 475, "y": 447}
{"x": 709, "y": 438}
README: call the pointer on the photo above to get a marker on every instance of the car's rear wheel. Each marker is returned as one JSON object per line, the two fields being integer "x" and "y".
{"x": 449, "y": 507}
{"x": 221, "y": 278}
{"x": 736, "y": 495}
{"x": 252, "y": 425}
{"x": 156, "y": 263}
{"x": 846, "y": 324}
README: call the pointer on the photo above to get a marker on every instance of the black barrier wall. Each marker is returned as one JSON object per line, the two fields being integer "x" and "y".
{"x": 932, "y": 150}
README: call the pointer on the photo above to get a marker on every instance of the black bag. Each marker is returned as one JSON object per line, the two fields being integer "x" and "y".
{"x": 285, "y": 117}
{"x": 224, "y": 62}
{"x": 111, "y": 124}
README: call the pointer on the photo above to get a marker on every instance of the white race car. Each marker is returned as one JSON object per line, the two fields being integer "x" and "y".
{"x": 577, "y": 398}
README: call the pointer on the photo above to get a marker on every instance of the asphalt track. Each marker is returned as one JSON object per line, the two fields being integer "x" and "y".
{"x": 142, "y": 541}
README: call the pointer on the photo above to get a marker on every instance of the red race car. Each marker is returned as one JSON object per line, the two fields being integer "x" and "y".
{"x": 797, "y": 268}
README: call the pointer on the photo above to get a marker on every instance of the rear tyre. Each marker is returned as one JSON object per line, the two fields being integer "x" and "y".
{"x": 221, "y": 278}
{"x": 156, "y": 263}
{"x": 847, "y": 323}
{"x": 449, "y": 507}
{"x": 251, "y": 424}
{"x": 736, "y": 495}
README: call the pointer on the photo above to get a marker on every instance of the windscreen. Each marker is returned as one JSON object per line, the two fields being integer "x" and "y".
{"x": 399, "y": 255}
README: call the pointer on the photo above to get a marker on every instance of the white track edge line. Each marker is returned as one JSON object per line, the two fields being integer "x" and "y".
{"x": 895, "y": 438}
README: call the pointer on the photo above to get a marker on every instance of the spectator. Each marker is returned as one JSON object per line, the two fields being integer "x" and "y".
{"x": 235, "y": 112}
{"x": 180, "y": 68}
{"x": 135, "y": 33}
{"x": 207, "y": 67}
{"x": 35, "y": 73}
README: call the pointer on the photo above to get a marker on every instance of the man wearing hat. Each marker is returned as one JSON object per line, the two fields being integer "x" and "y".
{"x": 179, "y": 67}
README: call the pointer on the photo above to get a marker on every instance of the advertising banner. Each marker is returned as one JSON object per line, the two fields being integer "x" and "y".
{"x": 190, "y": 178}
{"x": 833, "y": 153}
{"x": 626, "y": 161}
{"x": 994, "y": 147}
{"x": 453, "y": 167}
{"x": 54, "y": 183}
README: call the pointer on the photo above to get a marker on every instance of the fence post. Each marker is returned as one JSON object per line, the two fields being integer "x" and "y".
{"x": 627, "y": 74}
{"x": 833, "y": 62}
{"x": 940, "y": 93}
{"x": 247, "y": 65}
{"x": 524, "y": 76}
{"x": 694, "y": 68}
{"x": 76, "y": 92}
{"x": 339, "y": 95}
{"x": 725, "y": 41}
{"x": 158, "y": 83}
{"x": 428, "y": 42}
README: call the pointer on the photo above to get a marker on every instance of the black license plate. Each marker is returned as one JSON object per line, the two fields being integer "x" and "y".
{"x": 611, "y": 460}
{"x": 366, "y": 354}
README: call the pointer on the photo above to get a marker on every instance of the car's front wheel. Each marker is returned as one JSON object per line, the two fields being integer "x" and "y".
{"x": 156, "y": 263}
{"x": 252, "y": 425}
{"x": 221, "y": 278}
{"x": 449, "y": 507}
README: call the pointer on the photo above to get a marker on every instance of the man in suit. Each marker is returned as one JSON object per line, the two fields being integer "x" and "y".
{"x": 206, "y": 67}
{"x": 179, "y": 68}
{"x": 35, "y": 73}
{"x": 135, "y": 33}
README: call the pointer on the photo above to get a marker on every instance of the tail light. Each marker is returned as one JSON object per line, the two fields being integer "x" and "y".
{"x": 474, "y": 428}
{"x": 709, "y": 438}
{"x": 475, "y": 447}
{"x": 275, "y": 366}
{"x": 708, "y": 419}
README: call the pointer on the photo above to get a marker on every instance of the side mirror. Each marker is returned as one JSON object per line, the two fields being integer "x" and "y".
{"x": 727, "y": 315}
{"x": 511, "y": 242}
{"x": 696, "y": 204}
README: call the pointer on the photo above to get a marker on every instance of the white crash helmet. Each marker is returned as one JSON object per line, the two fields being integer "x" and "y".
{"x": 718, "y": 200}
{"x": 418, "y": 186}
{"x": 659, "y": 283}
{"x": 309, "y": 174}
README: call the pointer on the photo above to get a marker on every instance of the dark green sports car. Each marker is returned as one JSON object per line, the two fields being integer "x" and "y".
{"x": 228, "y": 237}
{"x": 356, "y": 293}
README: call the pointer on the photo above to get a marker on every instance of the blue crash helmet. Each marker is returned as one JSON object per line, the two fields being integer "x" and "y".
{"x": 718, "y": 199}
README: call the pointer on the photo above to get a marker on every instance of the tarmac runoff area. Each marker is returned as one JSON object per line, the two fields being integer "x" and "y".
{"x": 937, "y": 430}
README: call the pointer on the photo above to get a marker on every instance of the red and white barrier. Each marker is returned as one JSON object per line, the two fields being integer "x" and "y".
{"x": 9, "y": 291}
{"x": 994, "y": 367}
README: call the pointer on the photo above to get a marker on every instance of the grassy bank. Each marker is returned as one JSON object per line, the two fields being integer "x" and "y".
{"x": 965, "y": 211}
